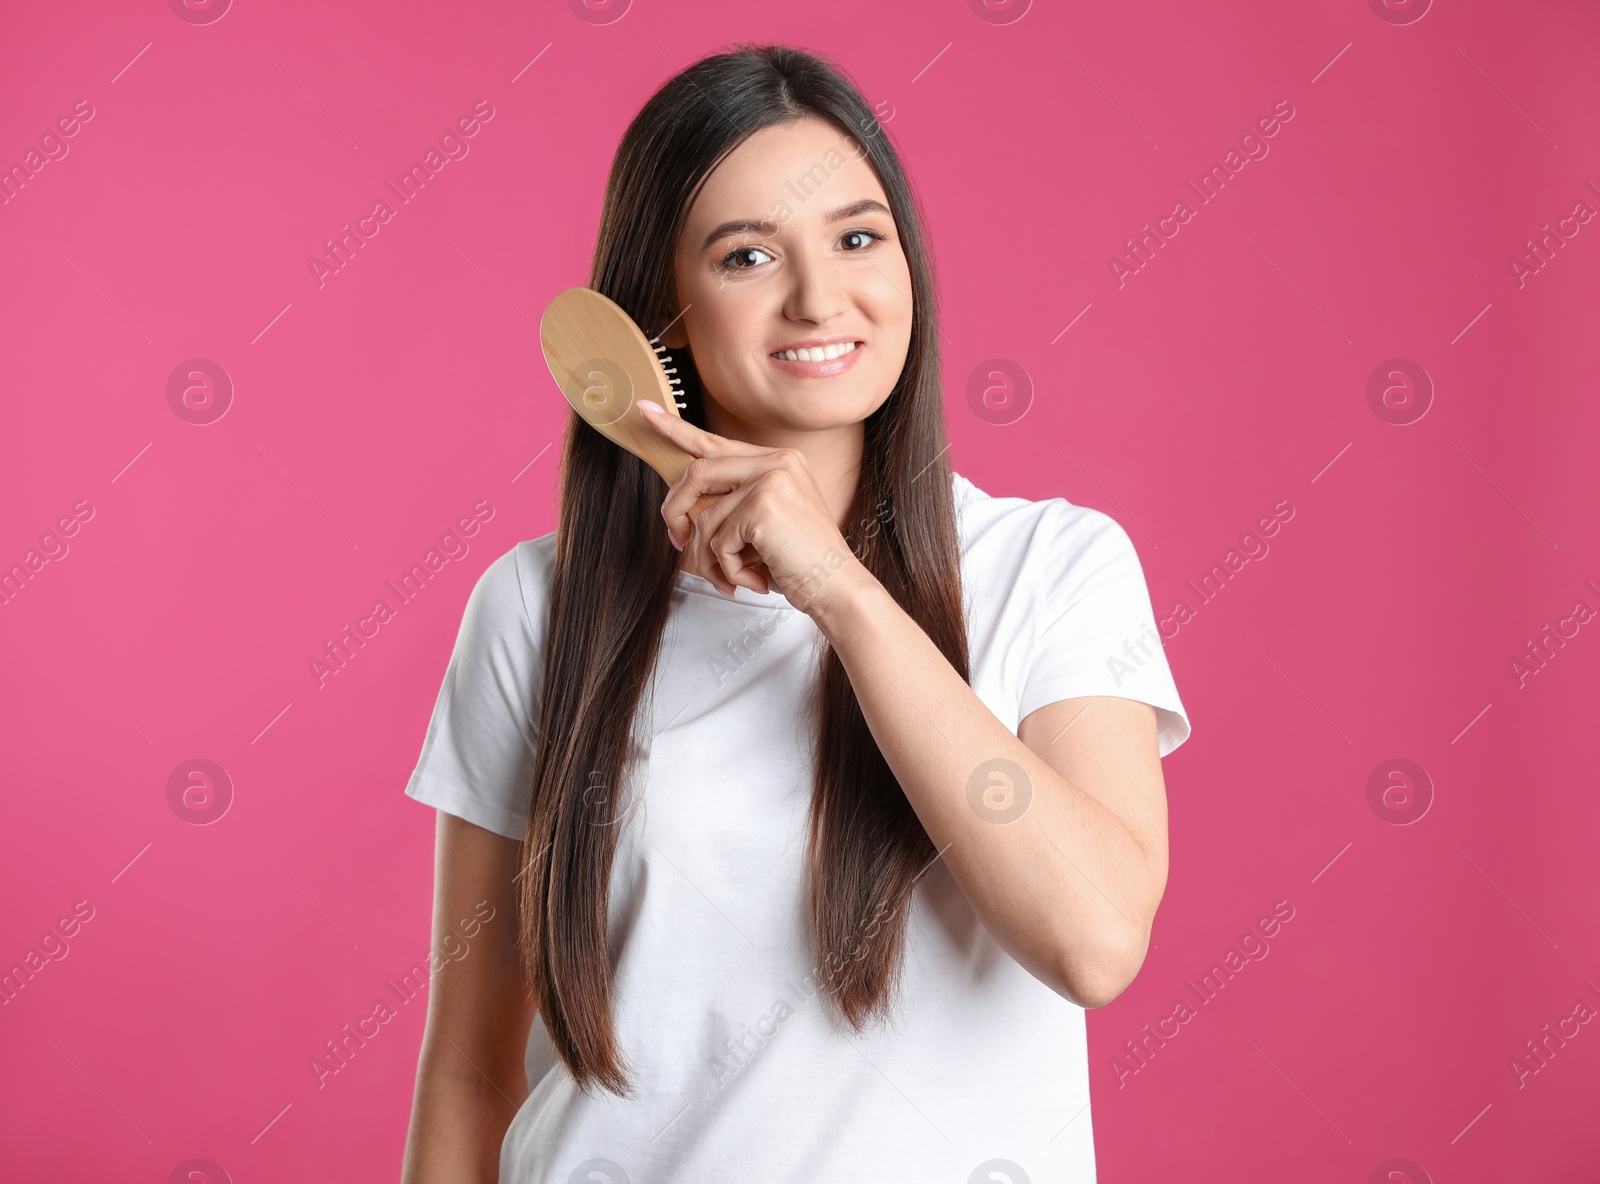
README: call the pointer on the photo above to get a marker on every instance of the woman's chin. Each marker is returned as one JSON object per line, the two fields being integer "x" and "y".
{"x": 797, "y": 407}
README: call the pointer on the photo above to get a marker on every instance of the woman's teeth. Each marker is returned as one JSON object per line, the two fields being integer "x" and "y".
{"x": 819, "y": 353}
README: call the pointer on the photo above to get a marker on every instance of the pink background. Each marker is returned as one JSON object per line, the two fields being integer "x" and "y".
{"x": 1228, "y": 374}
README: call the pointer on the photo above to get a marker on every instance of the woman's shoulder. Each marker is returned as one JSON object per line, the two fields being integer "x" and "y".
{"x": 1063, "y": 585}
{"x": 1052, "y": 530}
{"x": 511, "y": 594}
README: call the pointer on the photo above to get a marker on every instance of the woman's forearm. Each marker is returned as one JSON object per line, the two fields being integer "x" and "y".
{"x": 1065, "y": 886}
{"x": 459, "y": 1118}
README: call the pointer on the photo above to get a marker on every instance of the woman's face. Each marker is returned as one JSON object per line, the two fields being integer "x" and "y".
{"x": 790, "y": 242}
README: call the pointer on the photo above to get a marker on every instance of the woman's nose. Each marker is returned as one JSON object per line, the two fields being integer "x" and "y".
{"x": 817, "y": 292}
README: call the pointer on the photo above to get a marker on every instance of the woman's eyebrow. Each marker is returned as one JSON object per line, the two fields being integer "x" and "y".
{"x": 856, "y": 208}
{"x": 765, "y": 227}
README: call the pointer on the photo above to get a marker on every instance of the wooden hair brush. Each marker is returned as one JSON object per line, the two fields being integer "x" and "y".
{"x": 606, "y": 366}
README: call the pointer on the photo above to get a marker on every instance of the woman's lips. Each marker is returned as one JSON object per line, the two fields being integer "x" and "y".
{"x": 824, "y": 369}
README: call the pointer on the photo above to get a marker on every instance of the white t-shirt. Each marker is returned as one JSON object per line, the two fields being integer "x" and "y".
{"x": 742, "y": 1076}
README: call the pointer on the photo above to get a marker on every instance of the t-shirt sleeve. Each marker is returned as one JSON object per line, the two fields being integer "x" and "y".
{"x": 1097, "y": 634}
{"x": 477, "y": 757}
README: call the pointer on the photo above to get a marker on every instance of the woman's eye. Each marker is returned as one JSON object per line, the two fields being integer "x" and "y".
{"x": 867, "y": 235}
{"x": 739, "y": 259}
{"x": 737, "y": 253}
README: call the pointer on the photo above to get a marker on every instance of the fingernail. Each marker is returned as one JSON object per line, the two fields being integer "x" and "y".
{"x": 648, "y": 408}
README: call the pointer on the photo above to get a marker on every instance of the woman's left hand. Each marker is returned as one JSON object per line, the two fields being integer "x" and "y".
{"x": 766, "y": 508}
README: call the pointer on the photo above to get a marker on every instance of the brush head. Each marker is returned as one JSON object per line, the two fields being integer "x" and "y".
{"x": 605, "y": 366}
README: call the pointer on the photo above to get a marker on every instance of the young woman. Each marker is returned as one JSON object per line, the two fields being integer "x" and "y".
{"x": 810, "y": 824}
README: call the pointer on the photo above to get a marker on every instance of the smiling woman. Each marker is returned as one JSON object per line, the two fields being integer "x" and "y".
{"x": 821, "y": 838}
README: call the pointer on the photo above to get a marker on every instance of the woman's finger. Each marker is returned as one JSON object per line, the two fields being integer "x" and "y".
{"x": 718, "y": 522}
{"x": 708, "y": 477}
{"x": 693, "y": 440}
{"x": 727, "y": 543}
{"x": 737, "y": 557}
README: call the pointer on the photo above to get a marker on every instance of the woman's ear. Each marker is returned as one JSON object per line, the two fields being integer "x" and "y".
{"x": 676, "y": 336}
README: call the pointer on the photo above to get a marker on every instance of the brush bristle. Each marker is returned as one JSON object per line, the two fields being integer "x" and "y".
{"x": 664, "y": 356}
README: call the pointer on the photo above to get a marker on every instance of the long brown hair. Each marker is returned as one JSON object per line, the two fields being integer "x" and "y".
{"x": 614, "y": 568}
